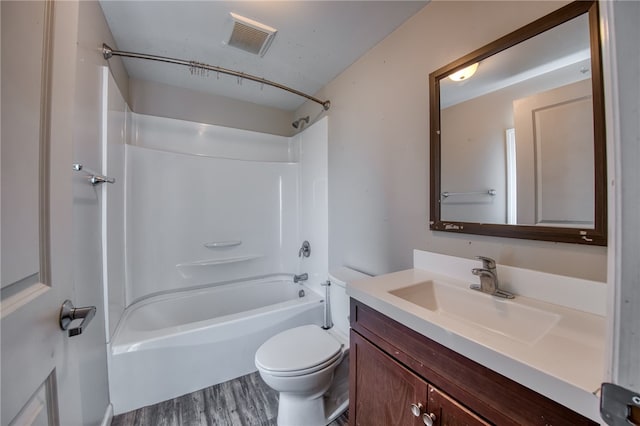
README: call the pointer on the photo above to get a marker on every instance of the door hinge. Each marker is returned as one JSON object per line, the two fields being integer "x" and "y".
{"x": 619, "y": 406}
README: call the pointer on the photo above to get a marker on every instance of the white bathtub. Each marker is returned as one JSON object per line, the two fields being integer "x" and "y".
{"x": 169, "y": 345}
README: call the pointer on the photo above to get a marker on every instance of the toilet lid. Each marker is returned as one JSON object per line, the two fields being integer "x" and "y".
{"x": 299, "y": 349}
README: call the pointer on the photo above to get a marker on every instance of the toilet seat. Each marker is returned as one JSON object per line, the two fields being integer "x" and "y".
{"x": 295, "y": 373}
{"x": 298, "y": 351}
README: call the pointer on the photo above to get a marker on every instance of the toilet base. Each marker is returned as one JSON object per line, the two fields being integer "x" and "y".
{"x": 321, "y": 409}
{"x": 295, "y": 411}
{"x": 315, "y": 412}
{"x": 336, "y": 399}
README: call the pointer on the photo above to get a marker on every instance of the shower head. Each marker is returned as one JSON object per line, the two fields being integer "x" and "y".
{"x": 299, "y": 121}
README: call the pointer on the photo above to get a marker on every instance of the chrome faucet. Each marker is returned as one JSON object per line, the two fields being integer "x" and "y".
{"x": 489, "y": 279}
{"x": 301, "y": 277}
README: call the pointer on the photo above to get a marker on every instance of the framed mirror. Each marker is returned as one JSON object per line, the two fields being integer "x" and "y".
{"x": 518, "y": 134}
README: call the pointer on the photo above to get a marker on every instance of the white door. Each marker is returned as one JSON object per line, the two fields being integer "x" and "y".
{"x": 39, "y": 381}
{"x": 554, "y": 129}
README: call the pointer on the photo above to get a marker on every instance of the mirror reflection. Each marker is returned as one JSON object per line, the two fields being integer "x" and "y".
{"x": 518, "y": 137}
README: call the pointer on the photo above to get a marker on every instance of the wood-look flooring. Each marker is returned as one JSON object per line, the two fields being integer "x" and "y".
{"x": 245, "y": 401}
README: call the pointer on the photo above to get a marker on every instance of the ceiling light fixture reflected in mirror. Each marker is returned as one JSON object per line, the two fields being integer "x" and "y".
{"x": 465, "y": 73}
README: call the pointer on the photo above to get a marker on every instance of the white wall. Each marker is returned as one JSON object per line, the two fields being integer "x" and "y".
{"x": 378, "y": 147}
{"x": 152, "y": 98}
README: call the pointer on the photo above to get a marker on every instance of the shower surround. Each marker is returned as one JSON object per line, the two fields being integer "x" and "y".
{"x": 195, "y": 219}
{"x": 205, "y": 204}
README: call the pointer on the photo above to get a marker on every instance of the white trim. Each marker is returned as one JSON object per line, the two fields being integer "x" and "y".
{"x": 22, "y": 298}
{"x": 103, "y": 203}
{"x": 108, "y": 416}
{"x": 512, "y": 177}
{"x": 613, "y": 161}
{"x": 622, "y": 71}
{"x": 629, "y": 278}
{"x": 125, "y": 181}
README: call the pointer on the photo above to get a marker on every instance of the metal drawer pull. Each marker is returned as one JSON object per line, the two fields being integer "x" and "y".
{"x": 416, "y": 409}
{"x": 68, "y": 313}
{"x": 428, "y": 419}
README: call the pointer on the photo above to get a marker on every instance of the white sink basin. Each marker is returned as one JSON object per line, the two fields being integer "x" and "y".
{"x": 505, "y": 317}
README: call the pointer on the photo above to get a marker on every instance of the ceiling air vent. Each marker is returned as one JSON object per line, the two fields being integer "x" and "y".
{"x": 250, "y": 36}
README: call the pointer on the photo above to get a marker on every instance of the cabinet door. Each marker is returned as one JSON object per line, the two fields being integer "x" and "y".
{"x": 448, "y": 412}
{"x": 382, "y": 390}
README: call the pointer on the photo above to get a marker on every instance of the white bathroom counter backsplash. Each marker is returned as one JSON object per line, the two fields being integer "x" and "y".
{"x": 575, "y": 293}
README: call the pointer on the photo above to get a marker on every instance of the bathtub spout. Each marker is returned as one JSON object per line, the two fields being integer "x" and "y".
{"x": 301, "y": 277}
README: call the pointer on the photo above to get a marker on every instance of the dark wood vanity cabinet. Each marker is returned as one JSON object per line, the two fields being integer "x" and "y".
{"x": 386, "y": 393}
{"x": 393, "y": 367}
{"x": 385, "y": 389}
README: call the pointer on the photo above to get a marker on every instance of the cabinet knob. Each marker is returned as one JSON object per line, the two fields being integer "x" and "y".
{"x": 416, "y": 409}
{"x": 428, "y": 419}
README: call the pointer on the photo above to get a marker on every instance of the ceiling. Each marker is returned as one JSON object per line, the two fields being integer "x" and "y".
{"x": 316, "y": 41}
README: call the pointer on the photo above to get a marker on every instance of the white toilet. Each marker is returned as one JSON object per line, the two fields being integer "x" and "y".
{"x": 309, "y": 366}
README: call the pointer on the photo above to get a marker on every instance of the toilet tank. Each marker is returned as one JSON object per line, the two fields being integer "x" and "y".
{"x": 339, "y": 301}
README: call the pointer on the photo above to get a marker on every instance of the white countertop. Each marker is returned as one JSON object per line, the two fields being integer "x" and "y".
{"x": 566, "y": 364}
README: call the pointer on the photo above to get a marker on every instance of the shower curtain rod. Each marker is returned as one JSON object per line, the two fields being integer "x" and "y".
{"x": 108, "y": 52}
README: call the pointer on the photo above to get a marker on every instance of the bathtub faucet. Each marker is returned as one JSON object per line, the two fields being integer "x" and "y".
{"x": 305, "y": 250}
{"x": 301, "y": 277}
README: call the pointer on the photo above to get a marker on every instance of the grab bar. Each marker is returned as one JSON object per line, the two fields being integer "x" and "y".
{"x": 94, "y": 178}
{"x": 491, "y": 192}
